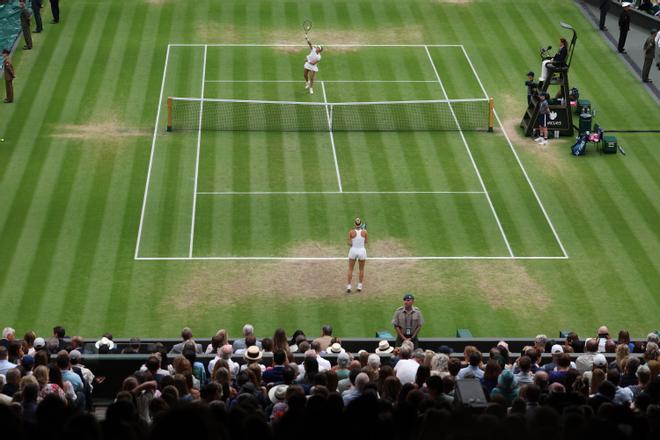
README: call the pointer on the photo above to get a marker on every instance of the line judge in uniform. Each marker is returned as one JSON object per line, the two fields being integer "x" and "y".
{"x": 407, "y": 321}
{"x": 357, "y": 240}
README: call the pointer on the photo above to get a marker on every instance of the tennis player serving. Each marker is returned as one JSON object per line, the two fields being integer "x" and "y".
{"x": 357, "y": 239}
{"x": 312, "y": 65}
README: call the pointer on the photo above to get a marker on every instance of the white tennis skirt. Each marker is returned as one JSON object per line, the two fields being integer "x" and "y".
{"x": 312, "y": 67}
{"x": 357, "y": 253}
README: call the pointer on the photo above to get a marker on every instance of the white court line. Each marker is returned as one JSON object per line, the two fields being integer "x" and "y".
{"x": 304, "y": 45}
{"x": 268, "y": 193}
{"x": 403, "y": 81}
{"x": 199, "y": 142}
{"x": 515, "y": 153}
{"x": 332, "y": 136}
{"x": 151, "y": 155}
{"x": 467, "y": 147}
{"x": 427, "y": 258}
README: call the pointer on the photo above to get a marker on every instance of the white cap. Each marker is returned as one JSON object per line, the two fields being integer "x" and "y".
{"x": 557, "y": 349}
{"x": 600, "y": 361}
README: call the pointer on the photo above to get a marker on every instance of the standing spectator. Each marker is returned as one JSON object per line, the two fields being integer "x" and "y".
{"x": 55, "y": 9}
{"x": 10, "y": 75}
{"x": 532, "y": 87}
{"x": 604, "y": 8}
{"x": 407, "y": 321}
{"x": 525, "y": 375}
{"x": 25, "y": 25}
{"x": 406, "y": 368}
{"x": 649, "y": 54}
{"x": 36, "y": 11}
{"x": 326, "y": 337}
{"x": 602, "y": 338}
{"x": 624, "y": 26}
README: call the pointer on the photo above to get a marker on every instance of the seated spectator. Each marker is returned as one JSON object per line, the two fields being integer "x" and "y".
{"x": 239, "y": 344}
{"x": 622, "y": 352}
{"x": 218, "y": 340}
{"x": 273, "y": 375}
{"x": 492, "y": 372}
{"x": 341, "y": 369}
{"x": 345, "y": 384}
{"x": 46, "y": 387}
{"x": 622, "y": 396}
{"x": 324, "y": 364}
{"x": 624, "y": 338}
{"x": 559, "y": 373}
{"x": 629, "y": 376}
{"x": 440, "y": 365}
{"x": 406, "y": 368}
{"x": 296, "y": 338}
{"x": 524, "y": 375}
{"x": 280, "y": 342}
{"x": 361, "y": 381}
{"x": 539, "y": 343}
{"x": 507, "y": 388}
{"x": 473, "y": 367}
{"x": 602, "y": 337}
{"x": 252, "y": 355}
{"x": 325, "y": 339}
{"x": 133, "y": 347}
{"x": 59, "y": 333}
{"x": 12, "y": 381}
{"x": 8, "y": 336}
{"x": 572, "y": 343}
{"x": 198, "y": 370}
{"x": 5, "y": 365}
{"x": 28, "y": 342}
{"x": 186, "y": 336}
{"x": 643, "y": 375}
{"x": 335, "y": 349}
{"x": 224, "y": 353}
{"x": 556, "y": 350}
{"x": 585, "y": 361}
{"x": 105, "y": 345}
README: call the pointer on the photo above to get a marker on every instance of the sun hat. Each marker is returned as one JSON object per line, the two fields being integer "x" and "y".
{"x": 252, "y": 353}
{"x": 557, "y": 349}
{"x": 39, "y": 343}
{"x": 277, "y": 393}
{"x": 384, "y": 347}
{"x": 105, "y": 341}
{"x": 335, "y": 348}
{"x": 600, "y": 361}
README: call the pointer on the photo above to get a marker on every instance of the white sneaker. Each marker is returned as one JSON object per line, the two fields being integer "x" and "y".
{"x": 544, "y": 142}
{"x": 359, "y": 289}
{"x": 311, "y": 91}
{"x": 348, "y": 288}
{"x": 538, "y": 139}
{"x": 307, "y": 85}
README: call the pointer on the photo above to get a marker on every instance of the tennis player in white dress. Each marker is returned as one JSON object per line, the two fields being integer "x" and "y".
{"x": 312, "y": 66}
{"x": 357, "y": 240}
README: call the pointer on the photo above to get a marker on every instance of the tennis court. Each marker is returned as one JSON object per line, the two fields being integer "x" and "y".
{"x": 452, "y": 193}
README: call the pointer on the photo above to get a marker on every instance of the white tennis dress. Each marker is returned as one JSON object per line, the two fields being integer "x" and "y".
{"x": 357, "y": 251}
{"x": 313, "y": 56}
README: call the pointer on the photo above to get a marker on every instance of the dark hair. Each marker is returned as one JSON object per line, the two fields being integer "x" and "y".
{"x": 564, "y": 360}
{"x": 493, "y": 370}
{"x": 475, "y": 359}
{"x": 58, "y": 330}
{"x": 250, "y": 341}
{"x": 563, "y": 41}
{"x": 279, "y": 356}
{"x": 267, "y": 344}
{"x": 311, "y": 368}
{"x": 423, "y": 373}
{"x": 5, "y": 51}
{"x": 454, "y": 366}
{"x": 624, "y": 337}
{"x": 295, "y": 335}
{"x": 327, "y": 330}
{"x": 62, "y": 360}
{"x": 288, "y": 374}
{"x": 525, "y": 363}
{"x": 279, "y": 340}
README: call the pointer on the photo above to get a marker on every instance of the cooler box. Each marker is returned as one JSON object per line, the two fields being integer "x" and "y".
{"x": 610, "y": 144}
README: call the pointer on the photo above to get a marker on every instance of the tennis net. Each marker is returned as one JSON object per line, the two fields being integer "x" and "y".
{"x": 259, "y": 115}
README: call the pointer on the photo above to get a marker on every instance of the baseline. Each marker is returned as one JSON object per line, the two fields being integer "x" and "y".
{"x": 265, "y": 193}
{"x": 467, "y": 147}
{"x": 423, "y": 258}
{"x": 515, "y": 153}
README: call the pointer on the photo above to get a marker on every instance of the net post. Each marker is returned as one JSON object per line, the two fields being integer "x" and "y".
{"x": 491, "y": 112}
{"x": 169, "y": 114}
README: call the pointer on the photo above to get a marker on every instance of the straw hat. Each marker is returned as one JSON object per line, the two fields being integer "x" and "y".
{"x": 335, "y": 348}
{"x": 384, "y": 347}
{"x": 252, "y": 353}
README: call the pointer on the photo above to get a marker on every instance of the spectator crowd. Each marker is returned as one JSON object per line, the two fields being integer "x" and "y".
{"x": 251, "y": 388}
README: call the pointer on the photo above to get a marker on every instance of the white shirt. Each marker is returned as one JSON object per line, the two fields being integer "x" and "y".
{"x": 233, "y": 366}
{"x": 357, "y": 242}
{"x": 313, "y": 57}
{"x": 406, "y": 370}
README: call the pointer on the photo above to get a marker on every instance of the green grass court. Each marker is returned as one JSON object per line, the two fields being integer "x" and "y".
{"x": 111, "y": 223}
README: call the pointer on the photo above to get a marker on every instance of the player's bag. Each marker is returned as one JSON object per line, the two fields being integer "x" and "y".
{"x": 579, "y": 148}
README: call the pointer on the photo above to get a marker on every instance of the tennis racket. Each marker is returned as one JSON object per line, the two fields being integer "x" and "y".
{"x": 307, "y": 26}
